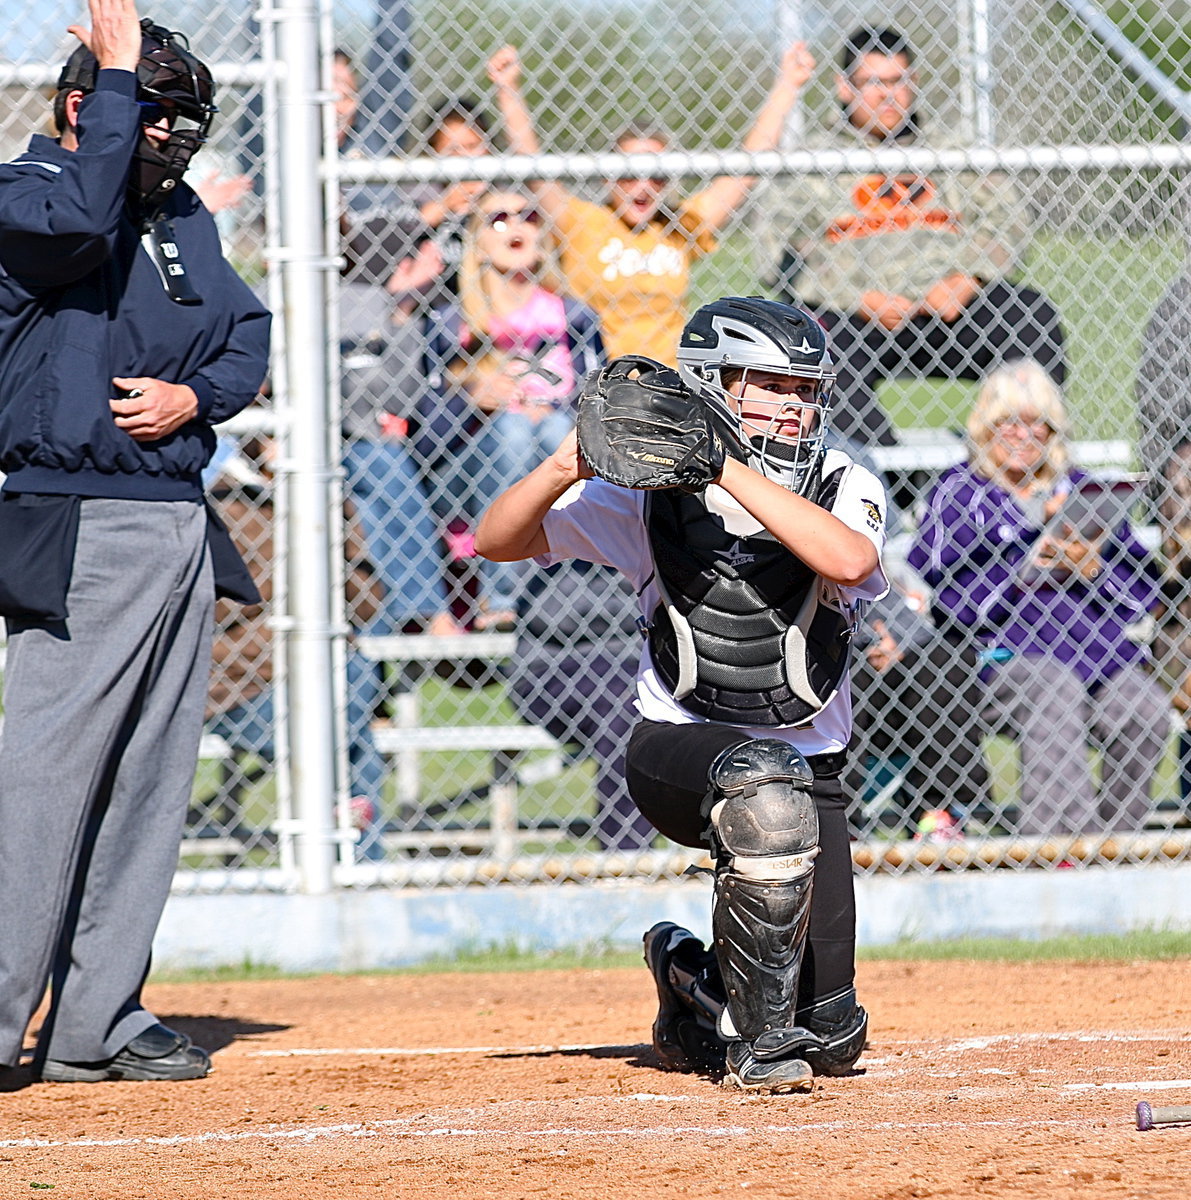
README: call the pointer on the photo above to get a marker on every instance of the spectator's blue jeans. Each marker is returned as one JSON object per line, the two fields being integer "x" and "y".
{"x": 400, "y": 533}
{"x": 509, "y": 446}
{"x": 249, "y": 727}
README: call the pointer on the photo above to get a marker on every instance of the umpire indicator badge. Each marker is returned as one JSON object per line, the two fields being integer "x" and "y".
{"x": 872, "y": 514}
{"x": 157, "y": 237}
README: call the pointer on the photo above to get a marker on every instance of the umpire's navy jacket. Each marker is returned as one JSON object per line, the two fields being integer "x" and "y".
{"x": 82, "y": 302}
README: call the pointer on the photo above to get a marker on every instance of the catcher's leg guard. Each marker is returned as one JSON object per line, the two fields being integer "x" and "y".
{"x": 764, "y": 836}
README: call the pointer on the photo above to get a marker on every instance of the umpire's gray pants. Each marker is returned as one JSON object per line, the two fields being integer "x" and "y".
{"x": 1044, "y": 705}
{"x": 103, "y": 714}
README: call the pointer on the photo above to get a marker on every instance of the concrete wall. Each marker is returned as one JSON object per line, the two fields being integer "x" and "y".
{"x": 347, "y": 931}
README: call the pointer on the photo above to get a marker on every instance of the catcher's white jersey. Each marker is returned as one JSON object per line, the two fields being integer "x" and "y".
{"x": 602, "y": 523}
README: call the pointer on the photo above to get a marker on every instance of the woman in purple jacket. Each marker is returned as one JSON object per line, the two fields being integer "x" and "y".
{"x": 1027, "y": 553}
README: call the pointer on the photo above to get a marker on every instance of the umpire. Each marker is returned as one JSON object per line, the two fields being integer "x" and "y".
{"x": 123, "y": 336}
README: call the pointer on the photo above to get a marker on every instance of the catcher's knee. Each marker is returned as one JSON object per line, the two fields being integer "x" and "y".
{"x": 761, "y": 811}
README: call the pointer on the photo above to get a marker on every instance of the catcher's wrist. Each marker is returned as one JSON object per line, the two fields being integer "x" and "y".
{"x": 561, "y": 476}
{"x": 732, "y": 468}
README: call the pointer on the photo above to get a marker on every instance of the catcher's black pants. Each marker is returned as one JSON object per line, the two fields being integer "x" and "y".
{"x": 1001, "y": 323}
{"x": 666, "y": 767}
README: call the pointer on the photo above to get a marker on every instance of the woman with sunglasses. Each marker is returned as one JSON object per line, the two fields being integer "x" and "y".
{"x": 630, "y": 258}
{"x": 505, "y": 366}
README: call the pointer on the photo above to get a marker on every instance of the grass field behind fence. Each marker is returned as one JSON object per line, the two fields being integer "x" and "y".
{"x": 1103, "y": 288}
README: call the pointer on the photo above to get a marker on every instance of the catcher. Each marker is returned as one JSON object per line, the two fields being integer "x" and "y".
{"x": 754, "y": 550}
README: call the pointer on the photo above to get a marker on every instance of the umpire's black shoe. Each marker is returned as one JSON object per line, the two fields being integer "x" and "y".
{"x": 680, "y": 1040}
{"x": 156, "y": 1054}
{"x": 769, "y": 1065}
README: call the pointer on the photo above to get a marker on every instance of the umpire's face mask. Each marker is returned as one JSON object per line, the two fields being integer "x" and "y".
{"x": 169, "y": 140}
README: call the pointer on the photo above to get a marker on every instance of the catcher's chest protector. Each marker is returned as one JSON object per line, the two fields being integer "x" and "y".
{"x": 741, "y": 635}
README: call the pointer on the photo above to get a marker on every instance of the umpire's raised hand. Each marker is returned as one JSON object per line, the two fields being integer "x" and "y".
{"x": 115, "y": 34}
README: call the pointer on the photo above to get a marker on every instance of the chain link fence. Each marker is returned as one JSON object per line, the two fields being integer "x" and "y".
{"x": 979, "y": 186}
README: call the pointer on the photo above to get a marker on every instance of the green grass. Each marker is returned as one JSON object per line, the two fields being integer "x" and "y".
{"x": 502, "y": 958}
{"x": 244, "y": 972}
{"x": 511, "y": 957}
{"x": 1104, "y": 290}
{"x": 1152, "y": 946}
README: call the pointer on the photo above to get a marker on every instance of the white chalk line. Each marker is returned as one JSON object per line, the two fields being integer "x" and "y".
{"x": 991, "y": 1041}
{"x": 394, "y": 1130}
{"x": 960, "y": 1046}
{"x": 882, "y": 1068}
{"x": 1154, "y": 1085}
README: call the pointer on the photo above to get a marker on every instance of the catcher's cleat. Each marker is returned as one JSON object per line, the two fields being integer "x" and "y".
{"x": 682, "y": 1041}
{"x": 769, "y": 1065}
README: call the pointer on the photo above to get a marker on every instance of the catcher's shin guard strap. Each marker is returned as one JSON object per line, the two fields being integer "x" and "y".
{"x": 840, "y": 1028}
{"x": 695, "y": 980}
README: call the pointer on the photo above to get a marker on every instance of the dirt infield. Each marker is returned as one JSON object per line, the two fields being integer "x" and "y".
{"x": 979, "y": 1080}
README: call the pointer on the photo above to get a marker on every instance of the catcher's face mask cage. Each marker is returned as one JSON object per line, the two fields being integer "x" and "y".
{"x": 780, "y": 416}
{"x": 177, "y": 98}
{"x": 764, "y": 372}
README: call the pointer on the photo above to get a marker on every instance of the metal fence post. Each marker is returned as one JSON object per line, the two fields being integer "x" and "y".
{"x": 303, "y": 261}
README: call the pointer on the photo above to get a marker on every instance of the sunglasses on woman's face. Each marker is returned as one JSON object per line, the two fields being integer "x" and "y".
{"x": 501, "y": 219}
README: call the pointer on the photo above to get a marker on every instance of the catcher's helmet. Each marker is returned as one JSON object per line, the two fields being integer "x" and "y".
{"x": 172, "y": 86}
{"x": 739, "y": 334}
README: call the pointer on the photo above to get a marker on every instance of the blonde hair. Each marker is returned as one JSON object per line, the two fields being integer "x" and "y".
{"x": 1009, "y": 393}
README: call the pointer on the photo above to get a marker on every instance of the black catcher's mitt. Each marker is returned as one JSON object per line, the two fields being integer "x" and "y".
{"x": 640, "y": 426}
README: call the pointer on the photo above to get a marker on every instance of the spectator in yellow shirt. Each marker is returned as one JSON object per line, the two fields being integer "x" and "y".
{"x": 630, "y": 258}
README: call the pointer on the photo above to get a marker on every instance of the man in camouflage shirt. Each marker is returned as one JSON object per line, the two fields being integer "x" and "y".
{"x": 907, "y": 273}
